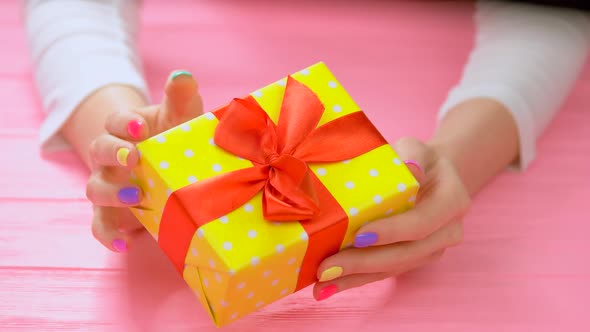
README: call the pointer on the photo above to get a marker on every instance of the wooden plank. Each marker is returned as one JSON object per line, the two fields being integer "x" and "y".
{"x": 90, "y": 300}
{"x": 26, "y": 174}
{"x": 50, "y": 233}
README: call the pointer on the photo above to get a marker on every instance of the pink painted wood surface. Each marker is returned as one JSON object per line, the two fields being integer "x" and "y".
{"x": 524, "y": 265}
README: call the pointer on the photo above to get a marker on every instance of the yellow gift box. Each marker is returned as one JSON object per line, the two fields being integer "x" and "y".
{"x": 244, "y": 259}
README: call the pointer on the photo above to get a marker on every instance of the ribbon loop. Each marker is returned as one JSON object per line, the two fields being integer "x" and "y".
{"x": 279, "y": 154}
{"x": 246, "y": 130}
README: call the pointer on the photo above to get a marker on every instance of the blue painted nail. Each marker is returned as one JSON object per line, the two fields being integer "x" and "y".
{"x": 365, "y": 239}
{"x": 129, "y": 195}
{"x": 178, "y": 73}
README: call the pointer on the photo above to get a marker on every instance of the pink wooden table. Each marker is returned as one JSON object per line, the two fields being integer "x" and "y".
{"x": 525, "y": 262}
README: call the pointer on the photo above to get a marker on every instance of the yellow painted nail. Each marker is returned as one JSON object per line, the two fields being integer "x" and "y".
{"x": 122, "y": 154}
{"x": 331, "y": 273}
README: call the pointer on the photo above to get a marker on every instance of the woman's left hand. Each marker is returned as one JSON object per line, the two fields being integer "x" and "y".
{"x": 392, "y": 246}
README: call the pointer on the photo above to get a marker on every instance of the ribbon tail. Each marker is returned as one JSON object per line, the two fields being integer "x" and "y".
{"x": 217, "y": 196}
{"x": 190, "y": 207}
{"x": 344, "y": 138}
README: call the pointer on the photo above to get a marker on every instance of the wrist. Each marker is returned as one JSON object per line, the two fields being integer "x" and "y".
{"x": 479, "y": 137}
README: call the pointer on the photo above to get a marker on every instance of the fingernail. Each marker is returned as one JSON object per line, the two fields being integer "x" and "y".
{"x": 134, "y": 128}
{"x": 178, "y": 73}
{"x": 327, "y": 292}
{"x": 120, "y": 245}
{"x": 414, "y": 163}
{"x": 331, "y": 273}
{"x": 365, "y": 239}
{"x": 122, "y": 154}
{"x": 129, "y": 195}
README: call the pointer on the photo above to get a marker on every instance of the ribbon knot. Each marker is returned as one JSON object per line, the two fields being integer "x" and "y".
{"x": 273, "y": 158}
{"x": 280, "y": 155}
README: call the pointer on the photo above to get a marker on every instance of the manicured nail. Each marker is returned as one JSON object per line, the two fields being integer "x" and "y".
{"x": 331, "y": 273}
{"x": 179, "y": 73}
{"x": 120, "y": 245}
{"x": 122, "y": 154}
{"x": 414, "y": 163}
{"x": 365, "y": 239}
{"x": 134, "y": 128}
{"x": 129, "y": 195}
{"x": 326, "y": 292}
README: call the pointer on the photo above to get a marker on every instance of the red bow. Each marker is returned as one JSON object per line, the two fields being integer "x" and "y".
{"x": 280, "y": 155}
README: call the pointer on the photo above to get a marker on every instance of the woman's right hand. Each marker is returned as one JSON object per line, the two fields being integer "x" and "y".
{"x": 113, "y": 156}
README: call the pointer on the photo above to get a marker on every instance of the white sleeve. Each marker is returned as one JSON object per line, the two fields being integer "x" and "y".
{"x": 77, "y": 47}
{"x": 526, "y": 57}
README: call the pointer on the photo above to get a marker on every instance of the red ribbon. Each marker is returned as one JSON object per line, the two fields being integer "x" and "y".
{"x": 280, "y": 155}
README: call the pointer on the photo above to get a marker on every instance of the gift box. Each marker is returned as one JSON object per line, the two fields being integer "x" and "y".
{"x": 247, "y": 200}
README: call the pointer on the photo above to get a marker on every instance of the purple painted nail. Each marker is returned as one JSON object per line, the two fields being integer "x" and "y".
{"x": 129, "y": 195}
{"x": 414, "y": 163}
{"x": 120, "y": 245}
{"x": 365, "y": 239}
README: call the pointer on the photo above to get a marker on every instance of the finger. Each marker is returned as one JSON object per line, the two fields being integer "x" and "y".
{"x": 108, "y": 150}
{"x": 109, "y": 237}
{"x": 102, "y": 192}
{"x": 416, "y": 155}
{"x": 182, "y": 101}
{"x": 448, "y": 200}
{"x": 324, "y": 290}
{"x": 114, "y": 227}
{"x": 132, "y": 125}
{"x": 390, "y": 257}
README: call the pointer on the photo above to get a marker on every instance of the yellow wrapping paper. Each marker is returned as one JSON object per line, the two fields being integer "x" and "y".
{"x": 241, "y": 262}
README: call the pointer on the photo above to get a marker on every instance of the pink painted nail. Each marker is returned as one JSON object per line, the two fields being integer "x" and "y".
{"x": 414, "y": 163}
{"x": 327, "y": 292}
{"x": 120, "y": 245}
{"x": 134, "y": 128}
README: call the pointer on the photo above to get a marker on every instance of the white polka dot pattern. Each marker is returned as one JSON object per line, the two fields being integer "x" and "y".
{"x": 236, "y": 263}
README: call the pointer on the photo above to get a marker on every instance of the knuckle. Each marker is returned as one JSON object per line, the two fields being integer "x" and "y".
{"x": 438, "y": 255}
{"x": 90, "y": 189}
{"x": 92, "y": 186}
{"x": 93, "y": 149}
{"x": 406, "y": 141}
{"x": 358, "y": 262}
{"x": 95, "y": 229}
{"x": 110, "y": 120}
{"x": 411, "y": 148}
{"x": 417, "y": 229}
{"x": 455, "y": 234}
{"x": 463, "y": 201}
{"x": 418, "y": 233}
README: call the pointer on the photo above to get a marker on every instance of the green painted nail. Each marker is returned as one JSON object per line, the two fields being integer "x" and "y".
{"x": 177, "y": 73}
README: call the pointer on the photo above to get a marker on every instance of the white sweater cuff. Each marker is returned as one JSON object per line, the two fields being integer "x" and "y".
{"x": 78, "y": 47}
{"x": 513, "y": 103}
{"x": 527, "y": 58}
{"x": 98, "y": 71}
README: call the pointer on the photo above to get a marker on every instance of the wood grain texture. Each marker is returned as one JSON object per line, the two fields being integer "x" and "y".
{"x": 523, "y": 267}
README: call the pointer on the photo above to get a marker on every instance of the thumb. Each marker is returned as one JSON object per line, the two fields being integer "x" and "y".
{"x": 182, "y": 101}
{"x": 416, "y": 155}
